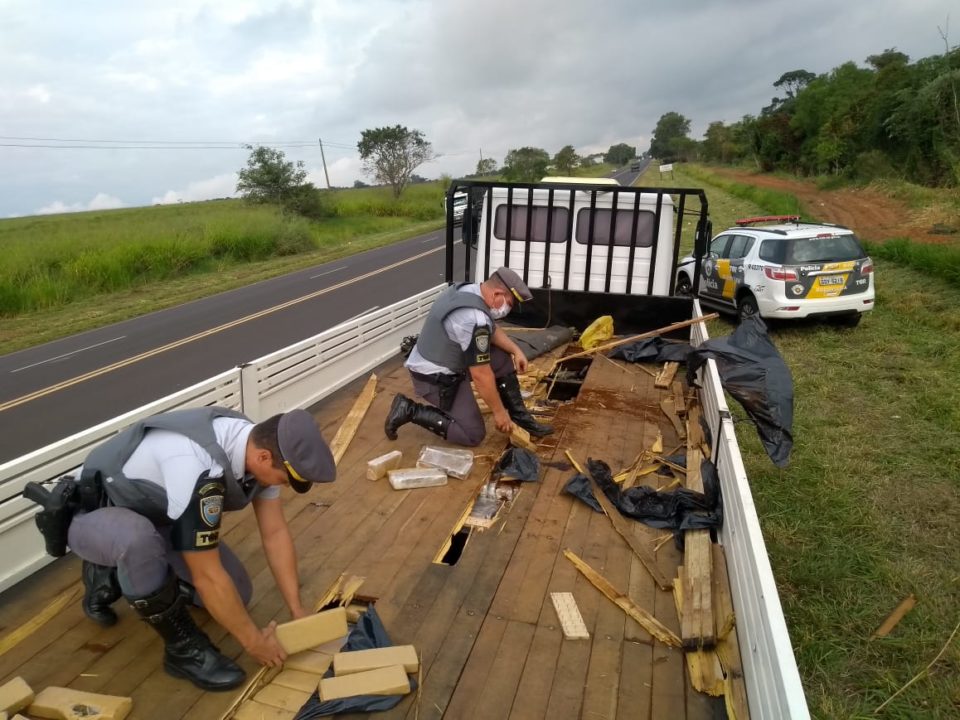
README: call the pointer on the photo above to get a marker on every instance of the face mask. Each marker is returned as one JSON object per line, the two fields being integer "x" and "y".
{"x": 498, "y": 313}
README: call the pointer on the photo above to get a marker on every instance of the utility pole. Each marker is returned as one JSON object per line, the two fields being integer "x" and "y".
{"x": 325, "y": 173}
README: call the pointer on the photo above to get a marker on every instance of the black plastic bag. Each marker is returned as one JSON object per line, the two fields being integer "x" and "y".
{"x": 535, "y": 343}
{"x": 753, "y": 372}
{"x": 580, "y": 487}
{"x": 655, "y": 349}
{"x": 680, "y": 509}
{"x": 519, "y": 464}
{"x": 367, "y": 634}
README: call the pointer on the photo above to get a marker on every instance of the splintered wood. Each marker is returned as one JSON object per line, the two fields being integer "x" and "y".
{"x": 349, "y": 427}
{"x": 647, "y": 621}
{"x": 569, "y": 615}
{"x": 625, "y": 532}
{"x": 696, "y": 626}
{"x": 666, "y": 375}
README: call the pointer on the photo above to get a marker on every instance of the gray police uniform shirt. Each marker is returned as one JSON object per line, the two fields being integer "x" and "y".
{"x": 460, "y": 326}
{"x": 174, "y": 462}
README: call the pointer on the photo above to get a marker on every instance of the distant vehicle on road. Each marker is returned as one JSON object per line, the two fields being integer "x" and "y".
{"x": 635, "y": 165}
{"x": 459, "y": 205}
{"x": 784, "y": 269}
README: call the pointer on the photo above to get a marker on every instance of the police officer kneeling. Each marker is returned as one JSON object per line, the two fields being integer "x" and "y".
{"x": 155, "y": 539}
{"x": 460, "y": 337}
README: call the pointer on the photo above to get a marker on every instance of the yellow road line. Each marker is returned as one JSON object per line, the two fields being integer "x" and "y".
{"x": 226, "y": 326}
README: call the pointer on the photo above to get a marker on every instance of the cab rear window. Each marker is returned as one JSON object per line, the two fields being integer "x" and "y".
{"x": 801, "y": 251}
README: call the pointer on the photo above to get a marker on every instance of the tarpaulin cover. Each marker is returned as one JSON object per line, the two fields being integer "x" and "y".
{"x": 367, "y": 634}
{"x": 519, "y": 464}
{"x": 753, "y": 372}
{"x": 655, "y": 349}
{"x": 535, "y": 343}
{"x": 680, "y": 509}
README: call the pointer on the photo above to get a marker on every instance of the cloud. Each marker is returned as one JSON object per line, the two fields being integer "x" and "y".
{"x": 39, "y": 93}
{"x": 472, "y": 76}
{"x": 100, "y": 201}
{"x": 221, "y": 186}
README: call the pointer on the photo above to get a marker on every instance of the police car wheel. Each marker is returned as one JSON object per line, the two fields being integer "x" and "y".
{"x": 746, "y": 306}
{"x": 684, "y": 286}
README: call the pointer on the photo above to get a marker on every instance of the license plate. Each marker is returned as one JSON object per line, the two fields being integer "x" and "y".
{"x": 831, "y": 279}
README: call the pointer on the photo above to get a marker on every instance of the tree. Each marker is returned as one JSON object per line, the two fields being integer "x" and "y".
{"x": 718, "y": 143}
{"x": 391, "y": 154}
{"x": 566, "y": 159}
{"x": 670, "y": 125}
{"x": 270, "y": 178}
{"x": 487, "y": 166}
{"x": 528, "y": 164}
{"x": 620, "y": 154}
{"x": 359, "y": 184}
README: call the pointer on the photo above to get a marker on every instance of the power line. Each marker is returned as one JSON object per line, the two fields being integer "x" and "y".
{"x": 82, "y": 143}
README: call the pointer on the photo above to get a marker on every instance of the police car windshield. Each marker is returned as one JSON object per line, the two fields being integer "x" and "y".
{"x": 801, "y": 251}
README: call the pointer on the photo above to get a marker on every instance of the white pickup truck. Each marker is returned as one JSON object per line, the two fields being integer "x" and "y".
{"x": 489, "y": 635}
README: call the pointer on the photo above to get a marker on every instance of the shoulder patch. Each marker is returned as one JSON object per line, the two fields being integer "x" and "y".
{"x": 211, "y": 507}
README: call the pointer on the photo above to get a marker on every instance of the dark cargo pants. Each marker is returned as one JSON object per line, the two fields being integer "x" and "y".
{"x": 467, "y": 427}
{"x": 141, "y": 551}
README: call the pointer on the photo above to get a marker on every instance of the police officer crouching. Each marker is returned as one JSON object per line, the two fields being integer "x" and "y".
{"x": 155, "y": 537}
{"x": 460, "y": 338}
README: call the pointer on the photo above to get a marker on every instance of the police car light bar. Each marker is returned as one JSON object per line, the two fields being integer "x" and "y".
{"x": 767, "y": 218}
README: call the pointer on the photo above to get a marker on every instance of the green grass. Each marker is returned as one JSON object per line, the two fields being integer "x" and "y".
{"x": 868, "y": 510}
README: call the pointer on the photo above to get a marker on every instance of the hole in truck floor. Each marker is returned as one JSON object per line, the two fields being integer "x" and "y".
{"x": 458, "y": 541}
{"x": 567, "y": 378}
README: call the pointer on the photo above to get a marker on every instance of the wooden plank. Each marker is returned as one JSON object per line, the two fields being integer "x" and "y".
{"x": 697, "y": 624}
{"x": 350, "y": 424}
{"x": 569, "y": 616}
{"x": 728, "y": 646}
{"x": 602, "y": 684}
{"x": 647, "y": 620}
{"x": 642, "y": 336}
{"x": 905, "y": 606}
{"x": 668, "y": 408}
{"x": 703, "y": 666}
{"x": 665, "y": 376}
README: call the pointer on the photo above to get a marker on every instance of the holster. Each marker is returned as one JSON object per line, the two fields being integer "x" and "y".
{"x": 59, "y": 506}
{"x": 90, "y": 488}
{"x": 447, "y": 386}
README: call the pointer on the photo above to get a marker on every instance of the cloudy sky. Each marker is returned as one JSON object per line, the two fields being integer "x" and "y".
{"x": 167, "y": 92}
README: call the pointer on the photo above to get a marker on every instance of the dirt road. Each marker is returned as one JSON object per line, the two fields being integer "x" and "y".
{"x": 872, "y": 215}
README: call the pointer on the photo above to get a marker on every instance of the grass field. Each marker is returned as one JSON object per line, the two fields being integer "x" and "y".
{"x": 869, "y": 508}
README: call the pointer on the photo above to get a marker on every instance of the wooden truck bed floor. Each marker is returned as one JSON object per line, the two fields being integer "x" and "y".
{"x": 490, "y": 640}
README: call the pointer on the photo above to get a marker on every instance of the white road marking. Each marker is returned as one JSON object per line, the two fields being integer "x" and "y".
{"x": 66, "y": 355}
{"x": 328, "y": 272}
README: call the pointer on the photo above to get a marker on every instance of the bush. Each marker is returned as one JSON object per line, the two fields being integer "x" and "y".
{"x": 873, "y": 165}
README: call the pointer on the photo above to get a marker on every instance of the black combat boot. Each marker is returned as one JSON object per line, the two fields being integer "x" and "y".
{"x": 188, "y": 652}
{"x": 404, "y": 410}
{"x": 509, "y": 388}
{"x": 100, "y": 591}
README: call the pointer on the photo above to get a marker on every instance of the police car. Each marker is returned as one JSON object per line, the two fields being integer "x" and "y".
{"x": 785, "y": 269}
